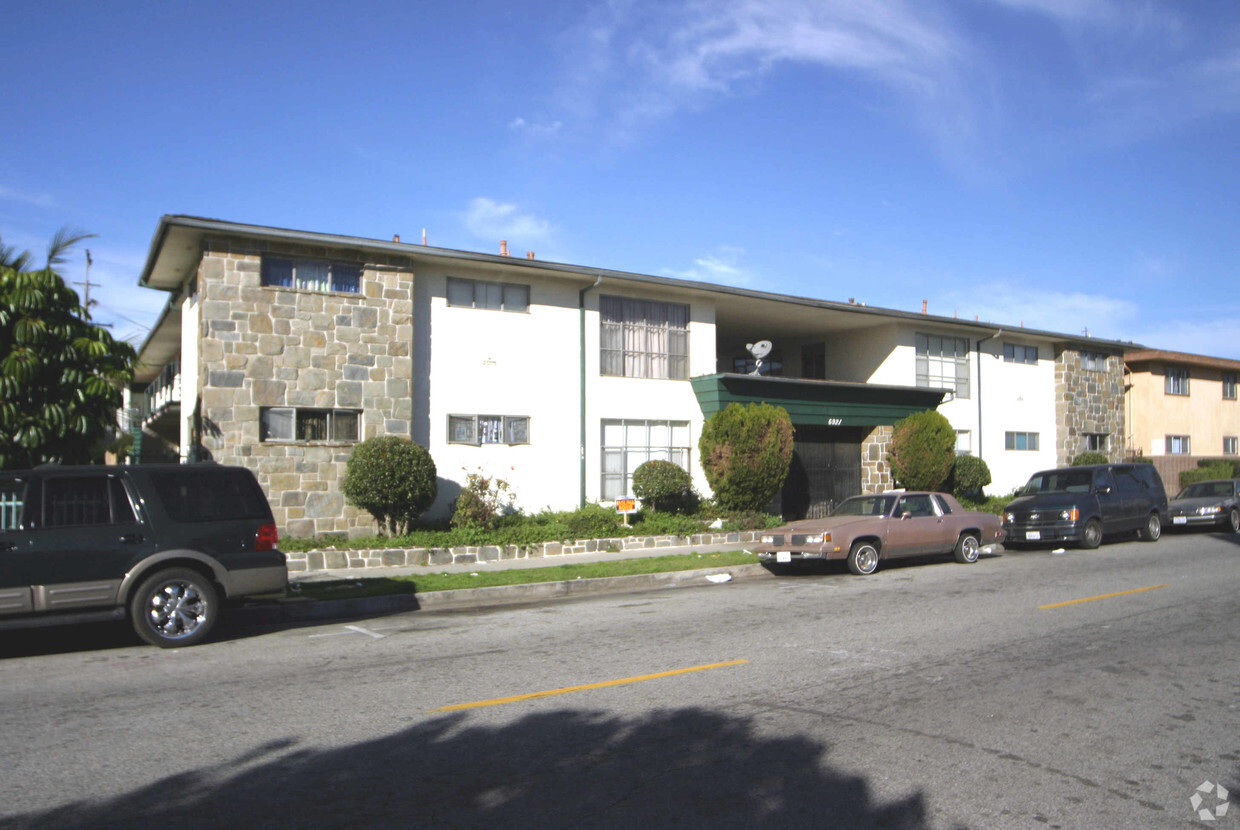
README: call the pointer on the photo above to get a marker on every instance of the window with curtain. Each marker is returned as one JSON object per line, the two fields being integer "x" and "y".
{"x": 312, "y": 275}
{"x": 288, "y": 423}
{"x": 495, "y": 296}
{"x": 488, "y": 429}
{"x": 643, "y": 338}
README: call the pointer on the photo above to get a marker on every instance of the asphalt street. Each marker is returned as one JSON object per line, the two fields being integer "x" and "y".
{"x": 1032, "y": 689}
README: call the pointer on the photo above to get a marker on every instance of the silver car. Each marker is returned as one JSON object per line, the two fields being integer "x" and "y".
{"x": 1208, "y": 504}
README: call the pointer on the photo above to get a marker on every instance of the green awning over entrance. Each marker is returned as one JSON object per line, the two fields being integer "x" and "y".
{"x": 816, "y": 402}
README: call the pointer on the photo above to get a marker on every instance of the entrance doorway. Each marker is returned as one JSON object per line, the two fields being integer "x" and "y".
{"x": 825, "y": 470}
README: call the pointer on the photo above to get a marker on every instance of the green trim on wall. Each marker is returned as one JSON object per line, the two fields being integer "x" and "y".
{"x": 816, "y": 402}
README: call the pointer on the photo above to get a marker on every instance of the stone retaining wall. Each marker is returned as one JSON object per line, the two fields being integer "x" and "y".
{"x": 336, "y": 559}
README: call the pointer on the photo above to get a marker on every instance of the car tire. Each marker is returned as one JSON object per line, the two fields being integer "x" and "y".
{"x": 1152, "y": 529}
{"x": 863, "y": 558}
{"x": 968, "y": 549}
{"x": 174, "y": 608}
{"x": 1091, "y": 536}
{"x": 1233, "y": 520}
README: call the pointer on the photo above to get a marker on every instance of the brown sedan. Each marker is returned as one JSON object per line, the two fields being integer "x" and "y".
{"x": 865, "y": 529}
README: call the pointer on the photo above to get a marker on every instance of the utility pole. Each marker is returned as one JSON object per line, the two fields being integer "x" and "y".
{"x": 87, "y": 285}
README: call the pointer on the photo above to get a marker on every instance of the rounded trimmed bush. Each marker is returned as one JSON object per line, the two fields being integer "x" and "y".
{"x": 970, "y": 475}
{"x": 392, "y": 479}
{"x": 923, "y": 450}
{"x": 1087, "y": 458}
{"x": 662, "y": 485}
{"x": 746, "y": 451}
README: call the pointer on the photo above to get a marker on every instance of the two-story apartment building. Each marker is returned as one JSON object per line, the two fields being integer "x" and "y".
{"x": 281, "y": 349}
{"x": 1183, "y": 405}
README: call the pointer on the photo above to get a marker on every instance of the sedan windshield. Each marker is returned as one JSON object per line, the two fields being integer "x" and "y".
{"x": 865, "y": 506}
{"x": 1060, "y": 481}
{"x": 1207, "y": 489}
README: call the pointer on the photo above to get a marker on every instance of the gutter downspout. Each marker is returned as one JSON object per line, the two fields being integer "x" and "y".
{"x": 978, "y": 348}
{"x": 581, "y": 310}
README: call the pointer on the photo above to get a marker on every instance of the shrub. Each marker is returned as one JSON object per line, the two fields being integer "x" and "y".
{"x": 662, "y": 485}
{"x": 593, "y": 522}
{"x": 392, "y": 479}
{"x": 746, "y": 451}
{"x": 483, "y": 502}
{"x": 1212, "y": 469}
{"x": 1087, "y": 458}
{"x": 923, "y": 450}
{"x": 970, "y": 475}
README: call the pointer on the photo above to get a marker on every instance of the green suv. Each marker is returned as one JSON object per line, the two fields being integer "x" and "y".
{"x": 165, "y": 544}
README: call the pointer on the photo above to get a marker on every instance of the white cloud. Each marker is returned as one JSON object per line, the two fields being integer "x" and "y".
{"x": 42, "y": 200}
{"x": 492, "y": 221}
{"x": 721, "y": 268}
{"x": 1012, "y": 307}
{"x": 535, "y": 129}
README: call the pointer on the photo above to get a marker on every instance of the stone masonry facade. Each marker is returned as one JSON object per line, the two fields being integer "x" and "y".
{"x": 875, "y": 471}
{"x": 263, "y": 346}
{"x": 1089, "y": 401}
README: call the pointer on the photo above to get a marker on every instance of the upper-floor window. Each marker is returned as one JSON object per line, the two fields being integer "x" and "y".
{"x": 814, "y": 361}
{"x": 1179, "y": 445}
{"x": 1231, "y": 445}
{"x": 12, "y": 499}
{"x": 1177, "y": 381}
{"x": 1229, "y": 386}
{"x": 1020, "y": 441}
{"x": 497, "y": 296}
{"x": 287, "y": 423}
{"x": 1016, "y": 353}
{"x": 643, "y": 338}
{"x": 488, "y": 429}
{"x": 312, "y": 274}
{"x": 943, "y": 363}
{"x": 1093, "y": 362}
{"x": 964, "y": 442}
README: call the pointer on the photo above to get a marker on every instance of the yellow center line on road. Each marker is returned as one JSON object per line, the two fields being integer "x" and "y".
{"x": 1101, "y": 596}
{"x": 456, "y": 707}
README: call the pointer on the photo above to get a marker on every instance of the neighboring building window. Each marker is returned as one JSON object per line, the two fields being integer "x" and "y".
{"x": 497, "y": 296}
{"x": 488, "y": 429}
{"x": 1015, "y": 353}
{"x": 964, "y": 442}
{"x": 629, "y": 444}
{"x": 1177, "y": 381}
{"x": 1097, "y": 442}
{"x": 943, "y": 363}
{"x": 12, "y": 497}
{"x": 1230, "y": 445}
{"x": 312, "y": 275}
{"x": 1021, "y": 441}
{"x": 1093, "y": 362}
{"x": 643, "y": 338}
{"x": 1178, "y": 445}
{"x": 287, "y": 423}
{"x": 1229, "y": 386}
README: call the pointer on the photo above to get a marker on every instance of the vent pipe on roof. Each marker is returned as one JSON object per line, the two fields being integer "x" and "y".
{"x": 396, "y": 238}
{"x": 924, "y": 303}
{"x": 424, "y": 236}
{"x": 529, "y": 254}
{"x": 503, "y": 247}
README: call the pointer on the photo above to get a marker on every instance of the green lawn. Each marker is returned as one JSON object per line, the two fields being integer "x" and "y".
{"x": 425, "y": 583}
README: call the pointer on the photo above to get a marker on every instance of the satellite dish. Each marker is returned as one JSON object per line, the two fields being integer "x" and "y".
{"x": 760, "y": 351}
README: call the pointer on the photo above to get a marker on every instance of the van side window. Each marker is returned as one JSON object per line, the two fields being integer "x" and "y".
{"x": 1128, "y": 481}
{"x": 82, "y": 502}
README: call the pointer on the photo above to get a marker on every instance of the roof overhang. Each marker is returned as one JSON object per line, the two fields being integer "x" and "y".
{"x": 816, "y": 402}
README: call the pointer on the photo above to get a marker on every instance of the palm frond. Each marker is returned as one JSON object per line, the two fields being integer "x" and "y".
{"x": 62, "y": 242}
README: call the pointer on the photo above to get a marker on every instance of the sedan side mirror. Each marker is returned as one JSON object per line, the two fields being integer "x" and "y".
{"x": 906, "y": 515}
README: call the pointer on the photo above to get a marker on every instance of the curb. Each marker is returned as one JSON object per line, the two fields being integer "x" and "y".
{"x": 303, "y": 610}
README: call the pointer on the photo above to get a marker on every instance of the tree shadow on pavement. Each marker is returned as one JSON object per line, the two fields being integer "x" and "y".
{"x": 684, "y": 767}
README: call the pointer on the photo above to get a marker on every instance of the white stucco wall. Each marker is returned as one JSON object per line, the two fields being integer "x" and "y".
{"x": 190, "y": 331}
{"x": 1017, "y": 397}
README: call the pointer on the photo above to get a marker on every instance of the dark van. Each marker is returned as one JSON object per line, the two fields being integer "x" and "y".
{"x": 1083, "y": 504}
{"x": 163, "y": 544}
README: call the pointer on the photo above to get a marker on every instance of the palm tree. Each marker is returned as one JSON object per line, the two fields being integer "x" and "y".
{"x": 56, "y": 249}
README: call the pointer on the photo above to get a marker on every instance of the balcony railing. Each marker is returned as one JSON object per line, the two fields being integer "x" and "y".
{"x": 163, "y": 391}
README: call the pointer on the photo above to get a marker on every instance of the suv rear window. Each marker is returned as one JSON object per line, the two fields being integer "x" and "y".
{"x": 203, "y": 495}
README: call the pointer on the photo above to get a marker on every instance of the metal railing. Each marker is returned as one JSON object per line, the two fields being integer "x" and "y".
{"x": 163, "y": 391}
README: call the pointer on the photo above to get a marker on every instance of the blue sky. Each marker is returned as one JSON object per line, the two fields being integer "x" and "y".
{"x": 1070, "y": 165}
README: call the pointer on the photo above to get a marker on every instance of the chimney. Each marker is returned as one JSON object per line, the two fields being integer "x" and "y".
{"x": 923, "y": 306}
{"x": 503, "y": 247}
{"x": 529, "y": 254}
{"x": 424, "y": 236}
{"x": 396, "y": 238}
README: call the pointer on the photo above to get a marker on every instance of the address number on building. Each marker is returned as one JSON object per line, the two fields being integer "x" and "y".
{"x": 835, "y": 422}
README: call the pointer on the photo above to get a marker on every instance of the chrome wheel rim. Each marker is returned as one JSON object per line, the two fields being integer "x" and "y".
{"x": 1153, "y": 528}
{"x": 867, "y": 559}
{"x": 971, "y": 549}
{"x": 1235, "y": 521}
{"x": 176, "y": 609}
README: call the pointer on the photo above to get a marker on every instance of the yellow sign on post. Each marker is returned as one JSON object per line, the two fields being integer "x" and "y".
{"x": 625, "y": 507}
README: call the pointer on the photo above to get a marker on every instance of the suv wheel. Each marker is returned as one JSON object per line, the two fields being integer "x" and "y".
{"x": 174, "y": 608}
{"x": 1091, "y": 536}
{"x": 1152, "y": 529}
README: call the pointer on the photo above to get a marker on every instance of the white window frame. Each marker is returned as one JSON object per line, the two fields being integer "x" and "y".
{"x": 488, "y": 295}
{"x": 479, "y": 430}
{"x": 942, "y": 362}
{"x": 1098, "y": 442}
{"x": 321, "y": 275}
{"x": 1093, "y": 361}
{"x": 1178, "y": 445}
{"x": 294, "y": 420}
{"x": 1177, "y": 381}
{"x": 626, "y": 444}
{"x": 1020, "y": 353}
{"x": 643, "y": 338}
{"x": 1012, "y": 441}
{"x": 1231, "y": 445}
{"x": 964, "y": 442}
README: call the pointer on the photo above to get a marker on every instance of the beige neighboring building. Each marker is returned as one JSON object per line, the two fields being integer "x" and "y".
{"x": 1182, "y": 408}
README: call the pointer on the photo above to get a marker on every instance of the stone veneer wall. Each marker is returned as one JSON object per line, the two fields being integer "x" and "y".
{"x": 264, "y": 346}
{"x": 875, "y": 471}
{"x": 1088, "y": 401}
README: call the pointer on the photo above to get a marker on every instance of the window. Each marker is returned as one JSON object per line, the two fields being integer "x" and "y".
{"x": 81, "y": 502}
{"x": 1021, "y": 441}
{"x": 495, "y": 296}
{"x": 643, "y": 338}
{"x": 814, "y": 361}
{"x": 312, "y": 275}
{"x": 629, "y": 444}
{"x": 12, "y": 497}
{"x": 1177, "y": 381}
{"x": 287, "y": 423}
{"x": 1229, "y": 386}
{"x": 1178, "y": 445}
{"x": 964, "y": 442}
{"x": 943, "y": 363}
{"x": 1093, "y": 362}
{"x": 918, "y": 505}
{"x": 1014, "y": 353}
{"x": 199, "y": 494}
{"x": 772, "y": 364}
{"x": 1230, "y": 447}
{"x": 488, "y": 429}
{"x": 1097, "y": 442}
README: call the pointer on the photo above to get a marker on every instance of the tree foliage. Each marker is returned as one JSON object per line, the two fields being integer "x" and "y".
{"x": 1088, "y": 457}
{"x": 60, "y": 375}
{"x": 484, "y": 500}
{"x": 392, "y": 479}
{"x": 923, "y": 450}
{"x": 663, "y": 485}
{"x": 746, "y": 451}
